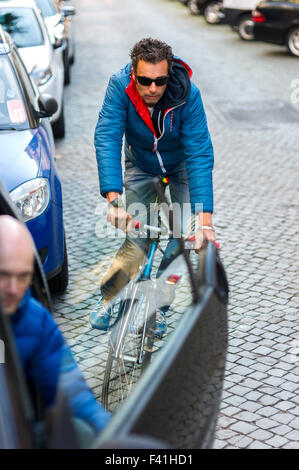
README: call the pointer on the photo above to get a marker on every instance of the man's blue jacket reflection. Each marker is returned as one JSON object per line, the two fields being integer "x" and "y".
{"x": 49, "y": 364}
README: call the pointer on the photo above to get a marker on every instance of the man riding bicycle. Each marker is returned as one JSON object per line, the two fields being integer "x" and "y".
{"x": 154, "y": 103}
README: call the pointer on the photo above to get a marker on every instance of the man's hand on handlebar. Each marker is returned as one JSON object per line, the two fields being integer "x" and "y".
{"x": 202, "y": 236}
{"x": 206, "y": 232}
{"x": 117, "y": 214}
{"x": 120, "y": 218}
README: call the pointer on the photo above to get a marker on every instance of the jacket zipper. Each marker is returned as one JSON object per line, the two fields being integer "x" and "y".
{"x": 155, "y": 149}
{"x": 159, "y": 155}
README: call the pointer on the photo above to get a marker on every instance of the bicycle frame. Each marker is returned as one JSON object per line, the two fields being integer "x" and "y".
{"x": 145, "y": 275}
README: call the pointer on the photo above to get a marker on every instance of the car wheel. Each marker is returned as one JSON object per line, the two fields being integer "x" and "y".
{"x": 212, "y": 13}
{"x": 293, "y": 41}
{"x": 59, "y": 125}
{"x": 246, "y": 28}
{"x": 72, "y": 59}
{"x": 193, "y": 7}
{"x": 67, "y": 72}
{"x": 60, "y": 282}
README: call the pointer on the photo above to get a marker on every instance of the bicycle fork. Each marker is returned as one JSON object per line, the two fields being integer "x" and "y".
{"x": 129, "y": 317}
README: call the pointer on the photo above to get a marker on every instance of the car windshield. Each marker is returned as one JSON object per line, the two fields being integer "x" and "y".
{"x": 12, "y": 109}
{"x": 47, "y": 7}
{"x": 22, "y": 25}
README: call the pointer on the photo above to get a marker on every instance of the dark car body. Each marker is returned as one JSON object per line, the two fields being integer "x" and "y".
{"x": 233, "y": 16}
{"x": 275, "y": 20}
{"x": 202, "y": 4}
{"x": 236, "y": 10}
{"x": 238, "y": 16}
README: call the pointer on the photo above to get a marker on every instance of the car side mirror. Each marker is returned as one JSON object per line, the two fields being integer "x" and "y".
{"x": 57, "y": 43}
{"x": 47, "y": 106}
{"x": 68, "y": 10}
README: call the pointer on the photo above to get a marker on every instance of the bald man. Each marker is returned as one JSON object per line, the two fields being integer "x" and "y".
{"x": 16, "y": 262}
{"x": 47, "y": 360}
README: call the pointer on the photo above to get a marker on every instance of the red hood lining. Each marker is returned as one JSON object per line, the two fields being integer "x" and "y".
{"x": 140, "y": 105}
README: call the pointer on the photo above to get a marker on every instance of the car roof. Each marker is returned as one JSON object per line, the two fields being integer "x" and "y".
{"x": 18, "y": 3}
{"x": 27, "y": 4}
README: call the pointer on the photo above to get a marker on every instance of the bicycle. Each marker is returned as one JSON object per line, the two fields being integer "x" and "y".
{"x": 134, "y": 310}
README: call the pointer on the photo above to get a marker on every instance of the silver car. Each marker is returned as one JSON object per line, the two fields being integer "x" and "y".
{"x": 23, "y": 21}
{"x": 58, "y": 19}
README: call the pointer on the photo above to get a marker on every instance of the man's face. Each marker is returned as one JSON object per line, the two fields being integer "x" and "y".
{"x": 152, "y": 93}
{"x": 16, "y": 268}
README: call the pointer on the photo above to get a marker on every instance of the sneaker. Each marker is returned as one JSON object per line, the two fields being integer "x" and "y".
{"x": 161, "y": 325}
{"x": 100, "y": 317}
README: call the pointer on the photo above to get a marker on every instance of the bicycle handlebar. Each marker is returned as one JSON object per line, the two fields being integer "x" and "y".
{"x": 138, "y": 225}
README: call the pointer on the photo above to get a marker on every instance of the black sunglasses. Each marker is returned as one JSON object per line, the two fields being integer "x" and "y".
{"x": 146, "y": 81}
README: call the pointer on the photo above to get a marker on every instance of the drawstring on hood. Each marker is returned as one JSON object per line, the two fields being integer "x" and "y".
{"x": 177, "y": 92}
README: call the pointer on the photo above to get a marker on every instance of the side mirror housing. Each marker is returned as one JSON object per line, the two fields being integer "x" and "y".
{"x": 58, "y": 42}
{"x": 47, "y": 105}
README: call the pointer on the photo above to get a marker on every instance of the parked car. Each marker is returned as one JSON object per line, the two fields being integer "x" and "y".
{"x": 27, "y": 161}
{"x": 238, "y": 16}
{"x": 210, "y": 9}
{"x": 61, "y": 30}
{"x": 23, "y": 21}
{"x": 278, "y": 22}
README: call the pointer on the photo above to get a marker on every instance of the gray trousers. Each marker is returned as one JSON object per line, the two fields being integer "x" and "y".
{"x": 140, "y": 198}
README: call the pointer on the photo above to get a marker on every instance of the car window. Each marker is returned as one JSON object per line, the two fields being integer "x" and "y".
{"x": 47, "y": 7}
{"x": 28, "y": 86}
{"x": 22, "y": 25}
{"x": 12, "y": 108}
{"x": 16, "y": 412}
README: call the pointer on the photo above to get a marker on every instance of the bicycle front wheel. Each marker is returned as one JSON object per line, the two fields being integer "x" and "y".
{"x": 130, "y": 350}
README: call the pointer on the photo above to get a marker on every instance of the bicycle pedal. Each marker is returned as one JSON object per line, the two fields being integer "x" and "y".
{"x": 158, "y": 337}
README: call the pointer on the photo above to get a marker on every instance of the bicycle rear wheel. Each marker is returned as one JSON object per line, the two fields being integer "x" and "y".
{"x": 131, "y": 343}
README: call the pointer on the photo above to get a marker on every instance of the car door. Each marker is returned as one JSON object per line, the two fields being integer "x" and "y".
{"x": 279, "y": 14}
{"x": 16, "y": 412}
{"x": 294, "y": 12}
{"x": 23, "y": 423}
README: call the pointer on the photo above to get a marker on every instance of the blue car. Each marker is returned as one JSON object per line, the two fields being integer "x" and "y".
{"x": 27, "y": 161}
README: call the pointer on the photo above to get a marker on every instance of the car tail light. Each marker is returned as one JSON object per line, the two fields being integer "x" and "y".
{"x": 258, "y": 17}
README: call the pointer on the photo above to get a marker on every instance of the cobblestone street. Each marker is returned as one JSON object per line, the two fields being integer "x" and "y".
{"x": 246, "y": 89}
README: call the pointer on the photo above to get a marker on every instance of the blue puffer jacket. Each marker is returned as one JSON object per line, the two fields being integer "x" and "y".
{"x": 48, "y": 362}
{"x": 156, "y": 145}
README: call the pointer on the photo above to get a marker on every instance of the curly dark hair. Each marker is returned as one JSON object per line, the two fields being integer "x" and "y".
{"x": 151, "y": 50}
